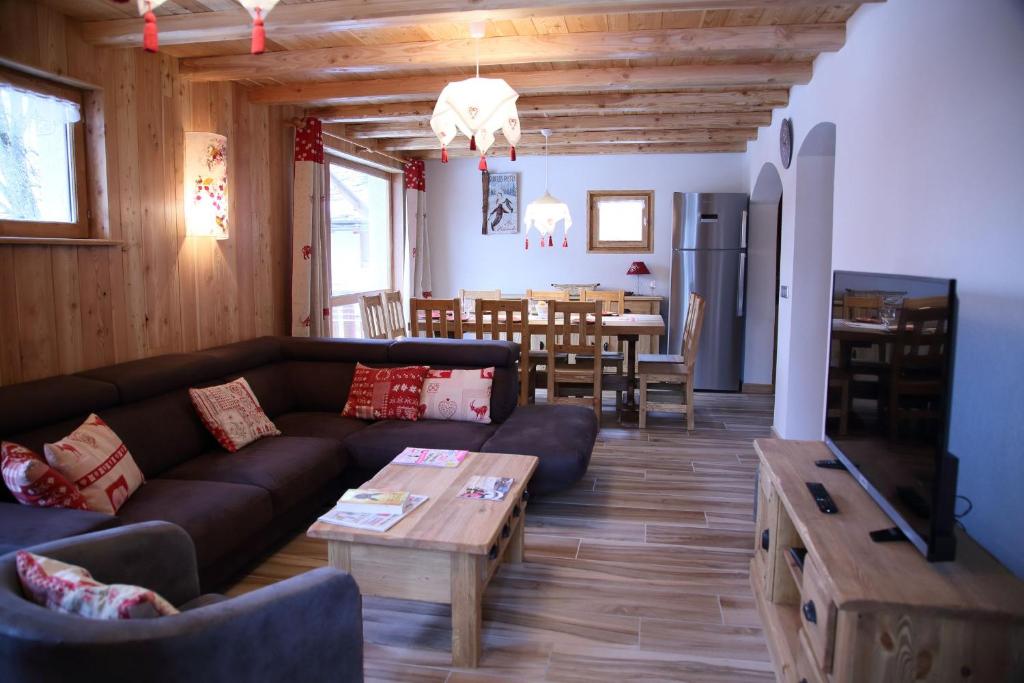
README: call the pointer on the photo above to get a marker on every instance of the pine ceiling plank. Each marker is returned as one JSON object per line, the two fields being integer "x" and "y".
{"x": 520, "y": 50}
{"x": 417, "y": 88}
{"x": 591, "y": 149}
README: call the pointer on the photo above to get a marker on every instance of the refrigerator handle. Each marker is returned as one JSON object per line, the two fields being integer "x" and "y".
{"x": 741, "y": 286}
{"x": 743, "y": 233}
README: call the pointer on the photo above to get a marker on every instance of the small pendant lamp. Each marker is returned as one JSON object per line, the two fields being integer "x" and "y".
{"x": 544, "y": 212}
{"x": 478, "y": 108}
{"x": 258, "y": 9}
{"x": 150, "y": 39}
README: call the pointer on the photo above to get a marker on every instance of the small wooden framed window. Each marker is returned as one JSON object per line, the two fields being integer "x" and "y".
{"x": 50, "y": 141}
{"x": 620, "y": 221}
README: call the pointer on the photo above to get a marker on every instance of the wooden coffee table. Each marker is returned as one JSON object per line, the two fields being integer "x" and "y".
{"x": 447, "y": 549}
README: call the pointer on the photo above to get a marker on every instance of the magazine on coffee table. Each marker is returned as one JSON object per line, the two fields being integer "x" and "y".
{"x": 370, "y": 521}
{"x": 480, "y": 487}
{"x": 430, "y": 457}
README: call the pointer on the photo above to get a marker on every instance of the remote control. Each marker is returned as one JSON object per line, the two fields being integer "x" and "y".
{"x": 836, "y": 464}
{"x": 821, "y": 497}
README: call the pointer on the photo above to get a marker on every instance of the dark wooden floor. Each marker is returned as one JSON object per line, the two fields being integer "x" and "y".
{"x": 639, "y": 573}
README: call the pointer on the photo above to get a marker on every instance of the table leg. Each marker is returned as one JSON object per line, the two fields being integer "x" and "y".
{"x": 631, "y": 341}
{"x": 514, "y": 553}
{"x": 339, "y": 556}
{"x": 467, "y": 608}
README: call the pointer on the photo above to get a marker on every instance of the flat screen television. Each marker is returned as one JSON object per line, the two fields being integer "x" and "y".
{"x": 887, "y": 407}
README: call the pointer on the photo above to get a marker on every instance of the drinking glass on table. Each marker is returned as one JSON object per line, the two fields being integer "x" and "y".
{"x": 889, "y": 309}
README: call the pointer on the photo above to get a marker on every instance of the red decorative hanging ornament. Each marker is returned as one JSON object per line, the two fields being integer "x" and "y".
{"x": 565, "y": 241}
{"x": 472, "y": 144}
{"x": 444, "y": 154}
{"x": 150, "y": 38}
{"x": 512, "y": 153}
{"x": 527, "y": 247}
{"x": 551, "y": 241}
{"x": 259, "y": 33}
{"x": 483, "y": 163}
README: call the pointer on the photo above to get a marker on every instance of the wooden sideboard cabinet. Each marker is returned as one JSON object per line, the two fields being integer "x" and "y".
{"x": 649, "y": 305}
{"x": 863, "y": 612}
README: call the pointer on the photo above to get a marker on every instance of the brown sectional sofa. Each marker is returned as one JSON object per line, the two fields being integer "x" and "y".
{"x": 237, "y": 506}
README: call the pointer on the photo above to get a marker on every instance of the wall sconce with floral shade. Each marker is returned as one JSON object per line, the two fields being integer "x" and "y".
{"x": 206, "y": 185}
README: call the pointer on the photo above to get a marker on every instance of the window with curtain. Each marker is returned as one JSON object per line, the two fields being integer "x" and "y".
{"x": 42, "y": 159}
{"x": 360, "y": 216}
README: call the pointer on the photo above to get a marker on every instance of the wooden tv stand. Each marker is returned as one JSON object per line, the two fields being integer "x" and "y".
{"x": 860, "y": 611}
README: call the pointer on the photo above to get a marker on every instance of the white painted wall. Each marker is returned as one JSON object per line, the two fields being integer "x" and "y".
{"x": 762, "y": 247}
{"x": 463, "y": 258}
{"x": 927, "y": 98}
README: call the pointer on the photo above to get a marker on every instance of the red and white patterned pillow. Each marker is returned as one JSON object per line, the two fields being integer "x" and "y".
{"x": 98, "y": 463}
{"x": 33, "y": 482}
{"x": 233, "y": 414}
{"x": 386, "y": 393}
{"x": 459, "y": 395}
{"x": 71, "y": 589}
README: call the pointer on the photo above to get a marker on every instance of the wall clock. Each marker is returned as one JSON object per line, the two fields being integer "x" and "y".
{"x": 786, "y": 142}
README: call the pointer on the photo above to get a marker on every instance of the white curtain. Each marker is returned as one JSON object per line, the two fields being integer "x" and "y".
{"x": 311, "y": 269}
{"x": 418, "y": 246}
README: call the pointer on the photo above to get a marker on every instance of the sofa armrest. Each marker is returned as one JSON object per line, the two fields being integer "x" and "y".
{"x": 159, "y": 556}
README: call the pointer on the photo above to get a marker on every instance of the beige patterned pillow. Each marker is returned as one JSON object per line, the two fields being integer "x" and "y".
{"x": 233, "y": 414}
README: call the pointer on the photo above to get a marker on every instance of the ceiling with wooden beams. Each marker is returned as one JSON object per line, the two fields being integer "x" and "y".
{"x": 606, "y": 76}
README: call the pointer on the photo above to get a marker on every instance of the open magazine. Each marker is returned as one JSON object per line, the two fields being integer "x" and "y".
{"x": 430, "y": 457}
{"x": 480, "y": 487}
{"x": 370, "y": 521}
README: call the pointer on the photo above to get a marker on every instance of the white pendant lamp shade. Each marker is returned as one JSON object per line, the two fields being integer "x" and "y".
{"x": 478, "y": 108}
{"x": 258, "y": 9}
{"x": 544, "y": 212}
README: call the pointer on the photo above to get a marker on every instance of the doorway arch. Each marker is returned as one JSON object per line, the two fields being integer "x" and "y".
{"x": 763, "y": 279}
{"x": 810, "y": 291}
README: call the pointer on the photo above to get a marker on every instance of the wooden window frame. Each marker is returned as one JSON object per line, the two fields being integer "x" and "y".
{"x": 333, "y": 157}
{"x": 89, "y": 162}
{"x": 598, "y": 246}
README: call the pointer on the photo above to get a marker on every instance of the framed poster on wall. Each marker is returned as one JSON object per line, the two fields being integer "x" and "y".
{"x": 501, "y": 203}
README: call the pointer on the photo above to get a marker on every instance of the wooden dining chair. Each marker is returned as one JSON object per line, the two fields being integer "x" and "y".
{"x": 395, "y": 314}
{"x": 612, "y": 301}
{"x": 918, "y": 381}
{"x": 374, "y": 316}
{"x": 506, "y": 319}
{"x": 862, "y": 306}
{"x": 468, "y": 297}
{"x": 568, "y": 335}
{"x": 535, "y": 295}
{"x": 539, "y": 356}
{"x": 656, "y": 370}
{"x": 435, "y": 318}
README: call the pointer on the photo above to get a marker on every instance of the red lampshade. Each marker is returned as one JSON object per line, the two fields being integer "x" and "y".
{"x": 638, "y": 268}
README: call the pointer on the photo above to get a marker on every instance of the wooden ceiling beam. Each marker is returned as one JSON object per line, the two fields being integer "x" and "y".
{"x": 351, "y": 15}
{"x": 416, "y": 88}
{"x": 801, "y": 40}
{"x": 595, "y": 137}
{"x": 572, "y": 105}
{"x": 653, "y": 148}
{"x": 627, "y": 122}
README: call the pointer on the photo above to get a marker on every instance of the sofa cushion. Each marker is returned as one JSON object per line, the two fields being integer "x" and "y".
{"x": 270, "y": 384}
{"x": 562, "y": 436}
{"x": 374, "y": 447}
{"x": 241, "y": 356}
{"x": 204, "y": 600}
{"x": 96, "y": 460}
{"x": 24, "y": 407}
{"x": 23, "y": 527}
{"x": 139, "y": 379}
{"x": 219, "y": 517}
{"x": 161, "y": 431}
{"x": 336, "y": 350}
{"x": 289, "y": 468}
{"x": 233, "y": 414}
{"x": 319, "y": 385}
{"x": 326, "y": 425}
{"x": 33, "y": 482}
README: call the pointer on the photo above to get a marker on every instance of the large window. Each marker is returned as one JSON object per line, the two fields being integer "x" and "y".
{"x": 42, "y": 158}
{"x": 620, "y": 221}
{"x": 360, "y": 215}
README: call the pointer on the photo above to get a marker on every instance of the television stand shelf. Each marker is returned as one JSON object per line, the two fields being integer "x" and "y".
{"x": 864, "y": 611}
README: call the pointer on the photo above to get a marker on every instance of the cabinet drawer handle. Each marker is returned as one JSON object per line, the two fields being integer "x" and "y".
{"x": 515, "y": 511}
{"x": 505, "y": 531}
{"x": 493, "y": 554}
{"x": 810, "y": 614}
{"x": 765, "y": 540}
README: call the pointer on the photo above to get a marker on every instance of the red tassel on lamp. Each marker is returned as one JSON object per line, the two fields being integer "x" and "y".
{"x": 483, "y": 163}
{"x": 527, "y": 247}
{"x": 150, "y": 39}
{"x": 565, "y": 242}
{"x": 259, "y": 33}
{"x": 512, "y": 153}
{"x": 444, "y": 154}
{"x": 472, "y": 144}
{"x": 551, "y": 241}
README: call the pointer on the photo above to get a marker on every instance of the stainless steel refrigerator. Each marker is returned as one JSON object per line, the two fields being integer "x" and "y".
{"x": 709, "y": 256}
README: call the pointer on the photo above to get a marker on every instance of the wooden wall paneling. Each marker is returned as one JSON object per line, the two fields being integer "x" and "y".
{"x": 246, "y": 211}
{"x": 225, "y": 328}
{"x": 10, "y": 350}
{"x": 185, "y": 248}
{"x": 67, "y": 308}
{"x": 33, "y": 291}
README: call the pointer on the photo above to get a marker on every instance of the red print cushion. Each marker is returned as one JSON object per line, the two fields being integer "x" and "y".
{"x": 67, "y": 588}
{"x": 386, "y": 393}
{"x": 33, "y": 482}
{"x": 98, "y": 463}
{"x": 233, "y": 414}
{"x": 460, "y": 395}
